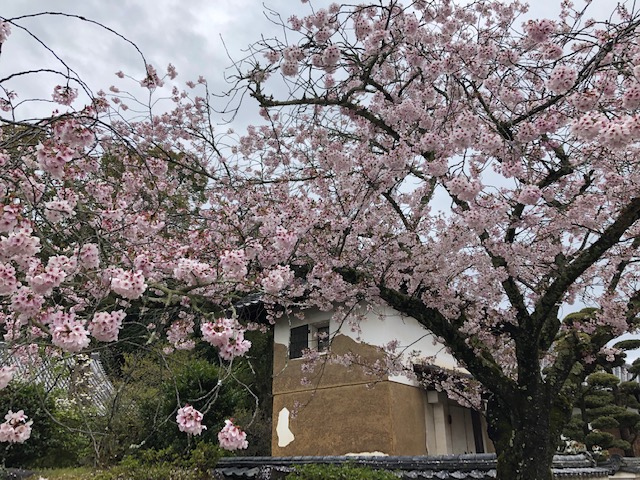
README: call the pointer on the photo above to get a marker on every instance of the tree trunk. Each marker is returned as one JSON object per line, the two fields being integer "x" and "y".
{"x": 522, "y": 434}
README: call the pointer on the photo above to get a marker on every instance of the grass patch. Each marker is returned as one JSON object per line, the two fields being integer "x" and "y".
{"x": 77, "y": 473}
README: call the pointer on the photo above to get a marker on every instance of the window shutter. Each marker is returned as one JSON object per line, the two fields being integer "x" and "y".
{"x": 299, "y": 341}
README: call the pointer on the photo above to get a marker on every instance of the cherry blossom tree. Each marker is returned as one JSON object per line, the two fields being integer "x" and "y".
{"x": 474, "y": 170}
{"x": 117, "y": 208}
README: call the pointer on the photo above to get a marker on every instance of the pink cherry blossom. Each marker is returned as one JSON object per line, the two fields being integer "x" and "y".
{"x": 540, "y": 30}
{"x": 438, "y": 157}
{"x": 26, "y": 302}
{"x": 529, "y": 195}
{"x": 615, "y": 134}
{"x": 295, "y": 22}
{"x": 193, "y": 272}
{"x": 68, "y": 333}
{"x": 54, "y": 159}
{"x": 228, "y": 336}
{"x": 64, "y": 95}
{"x": 152, "y": 80}
{"x": 284, "y": 240}
{"x": 631, "y": 96}
{"x": 89, "y": 256}
{"x": 562, "y": 78}
{"x": 179, "y": 331}
{"x": 362, "y": 28}
{"x": 105, "y": 326}
{"x": 43, "y": 282}
{"x": 236, "y": 346}
{"x": 231, "y": 437}
{"x": 463, "y": 188}
{"x": 331, "y": 55}
{"x": 190, "y": 420}
{"x": 5, "y": 31}
{"x": 8, "y": 281}
{"x": 234, "y": 264}
{"x": 16, "y": 428}
{"x": 219, "y": 332}
{"x": 9, "y": 217}
{"x": 277, "y": 279}
{"x": 128, "y": 284}
{"x": 6, "y": 375}
{"x": 289, "y": 68}
{"x": 20, "y": 243}
{"x": 57, "y": 210}
{"x": 272, "y": 56}
{"x": 589, "y": 125}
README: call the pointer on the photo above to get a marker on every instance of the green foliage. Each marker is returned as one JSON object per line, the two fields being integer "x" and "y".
{"x": 134, "y": 471}
{"x": 630, "y": 388}
{"x": 605, "y": 423}
{"x": 597, "y": 399}
{"x": 630, "y": 394}
{"x": 140, "y": 420}
{"x": 628, "y": 344}
{"x": 166, "y": 463}
{"x": 608, "y": 417}
{"x": 339, "y": 472}
{"x": 601, "y": 439}
{"x": 190, "y": 380}
{"x": 628, "y": 418}
{"x": 204, "y": 457}
{"x": 635, "y": 367}
{"x": 621, "y": 444}
{"x": 151, "y": 388}
{"x": 55, "y": 440}
{"x": 602, "y": 380}
{"x": 575, "y": 429}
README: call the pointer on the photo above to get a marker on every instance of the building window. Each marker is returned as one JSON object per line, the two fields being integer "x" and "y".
{"x": 299, "y": 341}
{"x": 322, "y": 338}
{"x": 304, "y": 337}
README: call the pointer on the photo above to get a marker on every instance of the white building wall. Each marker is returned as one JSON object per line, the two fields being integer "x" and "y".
{"x": 381, "y": 325}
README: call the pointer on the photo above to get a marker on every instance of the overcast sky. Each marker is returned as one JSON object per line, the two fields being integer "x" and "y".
{"x": 188, "y": 34}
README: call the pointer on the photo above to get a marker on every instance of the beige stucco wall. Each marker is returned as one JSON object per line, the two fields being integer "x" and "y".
{"x": 407, "y": 419}
{"x": 287, "y": 373}
{"x": 344, "y": 410}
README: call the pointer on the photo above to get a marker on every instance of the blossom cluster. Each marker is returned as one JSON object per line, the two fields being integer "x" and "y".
{"x": 540, "y": 30}
{"x": 16, "y": 428}
{"x": 562, "y": 78}
{"x": 231, "y": 437}
{"x": 190, "y": 420}
{"x": 614, "y": 133}
{"x": 197, "y": 273}
{"x": 179, "y": 331}
{"x": 277, "y": 279}
{"x": 233, "y": 264}
{"x": 128, "y": 284}
{"x": 68, "y": 333}
{"x": 6, "y": 375}
{"x": 227, "y": 335}
{"x": 106, "y": 326}
{"x": 5, "y": 31}
{"x": 64, "y": 95}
